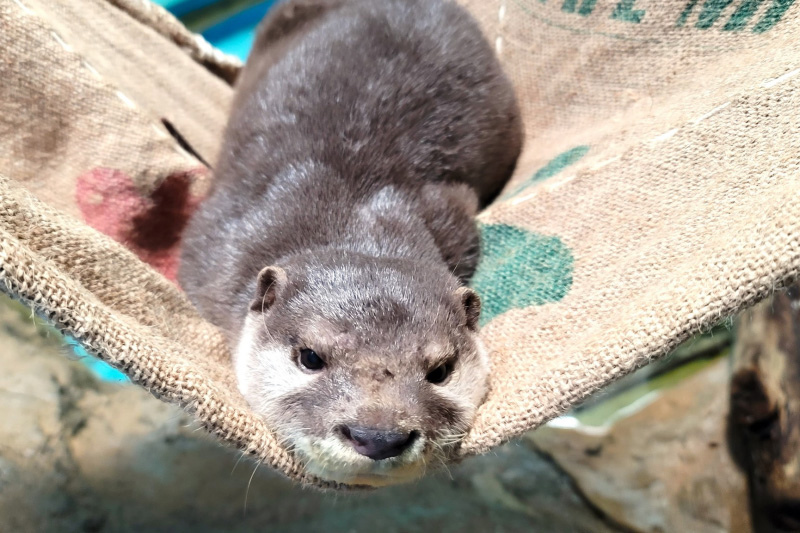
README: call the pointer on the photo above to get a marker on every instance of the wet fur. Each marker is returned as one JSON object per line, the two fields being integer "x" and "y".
{"x": 364, "y": 137}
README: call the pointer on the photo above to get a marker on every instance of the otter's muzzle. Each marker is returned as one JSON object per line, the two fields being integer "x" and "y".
{"x": 378, "y": 444}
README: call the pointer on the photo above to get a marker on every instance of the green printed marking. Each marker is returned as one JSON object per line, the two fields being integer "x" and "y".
{"x": 569, "y": 6}
{"x": 528, "y": 10}
{"x": 686, "y": 12}
{"x": 773, "y": 15}
{"x": 712, "y": 10}
{"x": 520, "y": 268}
{"x": 553, "y": 167}
{"x": 742, "y": 15}
{"x": 587, "y": 7}
{"x": 624, "y": 11}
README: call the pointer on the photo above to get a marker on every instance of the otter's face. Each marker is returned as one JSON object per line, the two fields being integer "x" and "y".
{"x": 369, "y": 377}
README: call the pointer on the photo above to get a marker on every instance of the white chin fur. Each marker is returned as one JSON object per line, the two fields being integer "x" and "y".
{"x": 266, "y": 374}
{"x": 242, "y": 357}
{"x": 333, "y": 460}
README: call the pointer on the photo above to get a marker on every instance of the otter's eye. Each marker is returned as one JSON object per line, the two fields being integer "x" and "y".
{"x": 439, "y": 375}
{"x": 310, "y": 360}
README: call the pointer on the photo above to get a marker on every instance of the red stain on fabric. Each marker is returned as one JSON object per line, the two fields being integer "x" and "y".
{"x": 150, "y": 226}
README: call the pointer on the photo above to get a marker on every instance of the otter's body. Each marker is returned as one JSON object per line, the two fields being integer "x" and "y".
{"x": 364, "y": 137}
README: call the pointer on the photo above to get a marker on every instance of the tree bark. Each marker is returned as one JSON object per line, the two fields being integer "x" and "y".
{"x": 765, "y": 409}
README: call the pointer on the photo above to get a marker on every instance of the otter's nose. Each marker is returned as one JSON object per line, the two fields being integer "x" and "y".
{"x": 378, "y": 444}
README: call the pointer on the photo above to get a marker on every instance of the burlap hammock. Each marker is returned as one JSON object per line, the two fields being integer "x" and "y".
{"x": 657, "y": 193}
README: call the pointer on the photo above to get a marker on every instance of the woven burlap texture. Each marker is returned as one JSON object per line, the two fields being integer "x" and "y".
{"x": 657, "y": 194}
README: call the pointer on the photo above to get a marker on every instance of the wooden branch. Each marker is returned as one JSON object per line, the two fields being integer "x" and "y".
{"x": 765, "y": 409}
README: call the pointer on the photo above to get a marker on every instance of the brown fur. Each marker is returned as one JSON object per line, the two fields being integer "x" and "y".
{"x": 365, "y": 136}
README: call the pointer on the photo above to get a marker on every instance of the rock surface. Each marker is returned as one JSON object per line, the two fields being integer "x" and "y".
{"x": 77, "y": 454}
{"x": 81, "y": 455}
{"x": 664, "y": 467}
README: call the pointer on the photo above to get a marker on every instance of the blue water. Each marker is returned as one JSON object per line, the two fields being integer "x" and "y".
{"x": 102, "y": 370}
{"x": 180, "y": 8}
{"x": 233, "y": 35}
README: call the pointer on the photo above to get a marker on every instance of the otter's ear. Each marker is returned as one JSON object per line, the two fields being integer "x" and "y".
{"x": 271, "y": 281}
{"x": 472, "y": 306}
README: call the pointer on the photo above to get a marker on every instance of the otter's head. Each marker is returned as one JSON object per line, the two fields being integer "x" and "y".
{"x": 369, "y": 369}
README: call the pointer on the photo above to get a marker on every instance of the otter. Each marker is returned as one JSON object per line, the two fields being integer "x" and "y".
{"x": 335, "y": 246}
